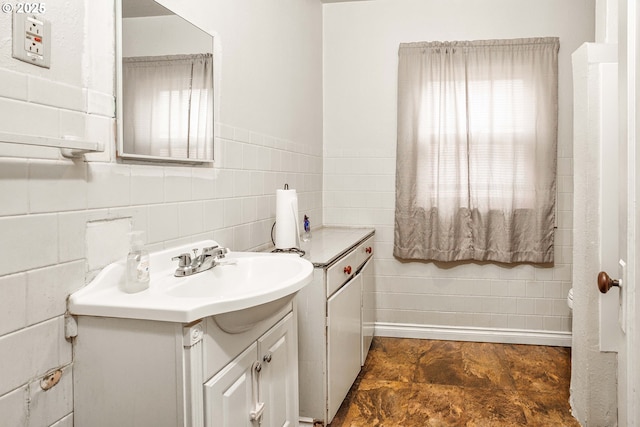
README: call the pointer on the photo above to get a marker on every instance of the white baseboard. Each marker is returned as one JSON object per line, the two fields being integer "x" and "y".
{"x": 306, "y": 422}
{"x": 455, "y": 333}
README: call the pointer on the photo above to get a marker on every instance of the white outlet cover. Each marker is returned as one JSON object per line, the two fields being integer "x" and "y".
{"x": 41, "y": 56}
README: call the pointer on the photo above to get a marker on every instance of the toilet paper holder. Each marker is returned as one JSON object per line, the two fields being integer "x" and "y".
{"x": 287, "y": 240}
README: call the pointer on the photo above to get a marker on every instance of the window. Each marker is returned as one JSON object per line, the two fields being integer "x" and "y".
{"x": 476, "y": 158}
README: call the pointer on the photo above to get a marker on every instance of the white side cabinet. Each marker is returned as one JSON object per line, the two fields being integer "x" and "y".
{"x": 139, "y": 373}
{"x": 335, "y": 321}
{"x": 343, "y": 342}
{"x": 368, "y": 308}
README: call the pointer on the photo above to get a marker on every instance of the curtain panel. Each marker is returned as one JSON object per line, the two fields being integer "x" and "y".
{"x": 168, "y": 106}
{"x": 476, "y": 153}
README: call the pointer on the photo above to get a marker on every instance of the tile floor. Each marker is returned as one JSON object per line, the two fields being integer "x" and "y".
{"x": 420, "y": 383}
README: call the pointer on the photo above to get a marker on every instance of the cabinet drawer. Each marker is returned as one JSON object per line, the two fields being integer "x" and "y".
{"x": 364, "y": 251}
{"x": 341, "y": 271}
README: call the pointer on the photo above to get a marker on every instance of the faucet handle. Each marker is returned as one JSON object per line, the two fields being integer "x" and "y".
{"x": 184, "y": 259}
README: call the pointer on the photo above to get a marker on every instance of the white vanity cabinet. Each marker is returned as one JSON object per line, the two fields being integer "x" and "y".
{"x": 138, "y": 373}
{"x": 256, "y": 387}
{"x": 334, "y": 319}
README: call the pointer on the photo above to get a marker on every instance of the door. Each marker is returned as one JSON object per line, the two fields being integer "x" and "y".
{"x": 232, "y": 393}
{"x": 619, "y": 238}
{"x": 628, "y": 247}
{"x": 618, "y": 319}
{"x": 343, "y": 343}
{"x": 277, "y": 353}
{"x": 593, "y": 366}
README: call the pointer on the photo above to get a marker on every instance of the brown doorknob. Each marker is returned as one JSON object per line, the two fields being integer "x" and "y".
{"x": 605, "y": 282}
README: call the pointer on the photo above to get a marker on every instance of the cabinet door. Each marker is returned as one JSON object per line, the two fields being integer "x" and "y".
{"x": 368, "y": 308}
{"x": 343, "y": 343}
{"x": 230, "y": 395}
{"x": 277, "y": 351}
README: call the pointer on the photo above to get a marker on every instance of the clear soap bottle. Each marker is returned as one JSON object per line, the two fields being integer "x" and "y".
{"x": 137, "y": 264}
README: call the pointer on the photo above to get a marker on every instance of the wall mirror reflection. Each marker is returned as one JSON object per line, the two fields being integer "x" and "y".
{"x": 165, "y": 85}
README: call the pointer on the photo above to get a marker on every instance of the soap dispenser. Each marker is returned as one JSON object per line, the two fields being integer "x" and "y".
{"x": 137, "y": 264}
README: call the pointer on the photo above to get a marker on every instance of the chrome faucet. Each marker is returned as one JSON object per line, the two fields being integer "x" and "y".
{"x": 203, "y": 262}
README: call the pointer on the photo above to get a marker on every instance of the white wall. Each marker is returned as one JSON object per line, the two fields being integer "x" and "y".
{"x": 61, "y": 220}
{"x": 163, "y": 35}
{"x": 464, "y": 301}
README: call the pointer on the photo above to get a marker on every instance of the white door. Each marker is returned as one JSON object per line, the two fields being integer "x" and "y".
{"x": 619, "y": 235}
{"x": 628, "y": 247}
{"x": 231, "y": 394}
{"x": 343, "y": 343}
{"x": 277, "y": 353}
{"x": 597, "y": 238}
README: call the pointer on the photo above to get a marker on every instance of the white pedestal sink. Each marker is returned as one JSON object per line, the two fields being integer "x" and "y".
{"x": 247, "y": 287}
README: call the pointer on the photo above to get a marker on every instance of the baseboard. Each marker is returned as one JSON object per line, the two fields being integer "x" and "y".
{"x": 458, "y": 333}
{"x": 309, "y": 422}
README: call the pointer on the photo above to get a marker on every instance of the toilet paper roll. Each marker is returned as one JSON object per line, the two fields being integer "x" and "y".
{"x": 287, "y": 228}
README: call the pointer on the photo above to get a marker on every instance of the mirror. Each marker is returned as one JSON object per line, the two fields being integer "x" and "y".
{"x": 164, "y": 105}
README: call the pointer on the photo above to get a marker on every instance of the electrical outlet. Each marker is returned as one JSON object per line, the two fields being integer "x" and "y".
{"x": 34, "y": 27}
{"x": 31, "y": 39}
{"x": 33, "y": 44}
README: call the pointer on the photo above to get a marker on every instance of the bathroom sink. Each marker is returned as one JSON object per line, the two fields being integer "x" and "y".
{"x": 244, "y": 289}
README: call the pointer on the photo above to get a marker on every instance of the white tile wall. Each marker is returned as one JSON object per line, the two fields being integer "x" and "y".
{"x": 14, "y": 182}
{"x": 50, "y": 406}
{"x": 59, "y": 95}
{"x": 28, "y": 242}
{"x": 106, "y": 242}
{"x": 31, "y": 352}
{"x": 360, "y": 96}
{"x": 359, "y": 191}
{"x": 13, "y": 304}
{"x": 61, "y": 221}
{"x": 52, "y": 183}
{"x": 14, "y": 407}
{"x": 48, "y": 289}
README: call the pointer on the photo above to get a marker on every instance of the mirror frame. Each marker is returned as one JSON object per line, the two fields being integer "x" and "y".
{"x": 120, "y": 152}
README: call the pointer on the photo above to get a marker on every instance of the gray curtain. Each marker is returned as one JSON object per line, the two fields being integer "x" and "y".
{"x": 477, "y": 150}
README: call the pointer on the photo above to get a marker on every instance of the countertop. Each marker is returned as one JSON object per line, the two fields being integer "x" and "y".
{"x": 329, "y": 243}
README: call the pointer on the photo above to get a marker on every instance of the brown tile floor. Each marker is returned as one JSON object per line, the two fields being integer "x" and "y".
{"x": 420, "y": 383}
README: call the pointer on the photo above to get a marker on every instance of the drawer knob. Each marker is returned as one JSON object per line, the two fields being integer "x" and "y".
{"x": 347, "y": 269}
{"x": 368, "y": 250}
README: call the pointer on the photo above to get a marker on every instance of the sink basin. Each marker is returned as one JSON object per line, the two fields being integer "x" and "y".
{"x": 246, "y": 288}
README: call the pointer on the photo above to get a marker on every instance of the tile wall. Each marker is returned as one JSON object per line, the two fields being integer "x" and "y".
{"x": 49, "y": 210}
{"x": 488, "y": 296}
{"x": 61, "y": 221}
{"x": 521, "y": 303}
